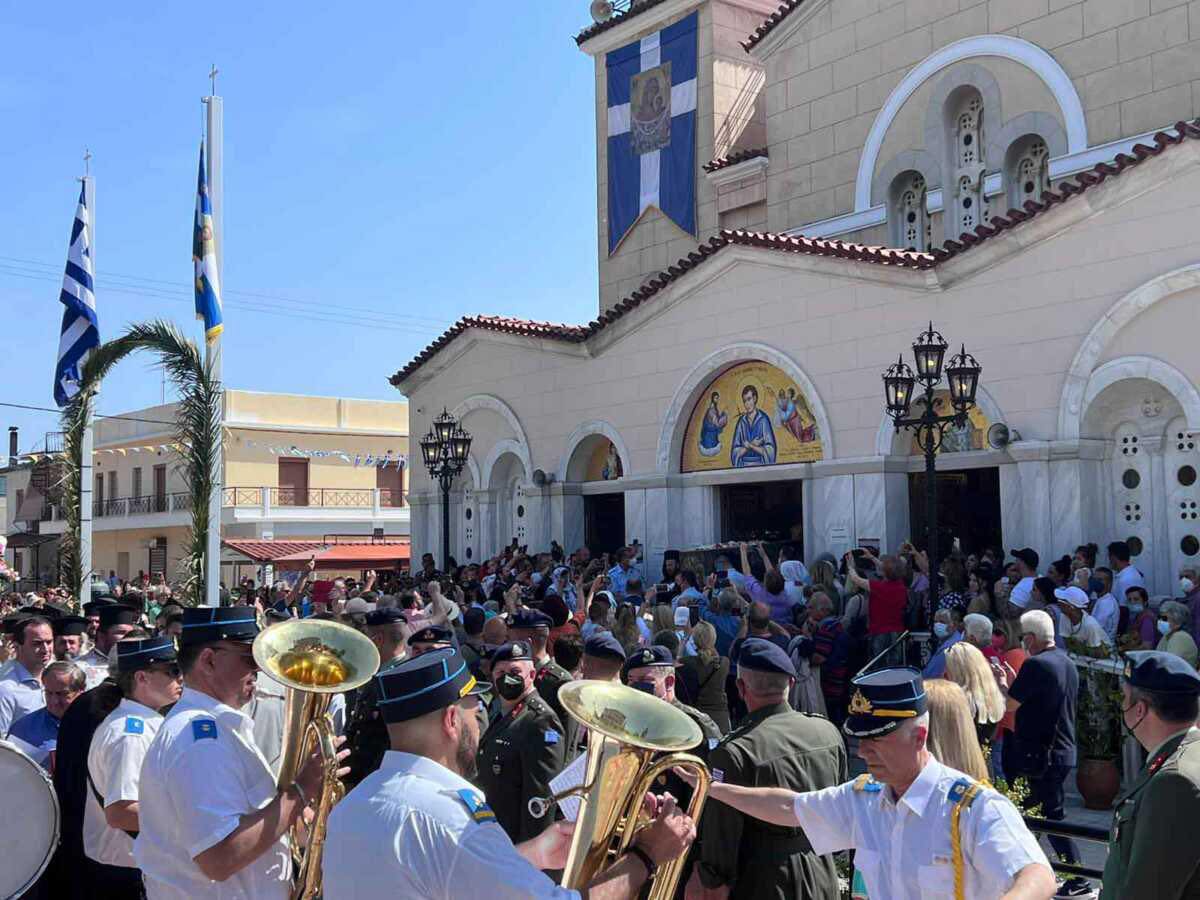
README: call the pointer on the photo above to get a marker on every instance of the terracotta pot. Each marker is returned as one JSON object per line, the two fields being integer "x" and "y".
{"x": 1099, "y": 782}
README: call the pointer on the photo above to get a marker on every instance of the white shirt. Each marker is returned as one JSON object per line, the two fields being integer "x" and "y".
{"x": 114, "y": 764}
{"x": 1125, "y": 579}
{"x": 903, "y": 847}
{"x": 1108, "y": 614}
{"x": 94, "y": 665}
{"x": 1022, "y": 593}
{"x": 1088, "y": 631}
{"x": 20, "y": 694}
{"x": 202, "y": 773}
{"x": 409, "y": 831}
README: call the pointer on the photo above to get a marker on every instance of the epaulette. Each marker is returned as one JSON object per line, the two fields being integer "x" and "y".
{"x": 867, "y": 783}
{"x": 204, "y": 728}
{"x": 961, "y": 791}
{"x": 135, "y": 725}
{"x": 478, "y": 808}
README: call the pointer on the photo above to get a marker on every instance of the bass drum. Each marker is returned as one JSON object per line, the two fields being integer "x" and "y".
{"x": 26, "y": 847}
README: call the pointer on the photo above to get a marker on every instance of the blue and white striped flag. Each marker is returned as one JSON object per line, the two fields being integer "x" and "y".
{"x": 80, "y": 330}
{"x": 204, "y": 257}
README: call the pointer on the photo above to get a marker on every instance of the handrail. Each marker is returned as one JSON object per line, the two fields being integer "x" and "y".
{"x": 1063, "y": 828}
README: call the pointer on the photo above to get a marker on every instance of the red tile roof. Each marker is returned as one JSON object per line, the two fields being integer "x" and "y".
{"x": 724, "y": 162}
{"x": 884, "y": 256}
{"x": 265, "y": 551}
{"x": 375, "y": 555}
{"x": 788, "y": 7}
{"x": 636, "y": 7}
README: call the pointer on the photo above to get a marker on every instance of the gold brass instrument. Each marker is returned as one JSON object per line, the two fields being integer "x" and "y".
{"x": 628, "y": 730}
{"x": 314, "y": 659}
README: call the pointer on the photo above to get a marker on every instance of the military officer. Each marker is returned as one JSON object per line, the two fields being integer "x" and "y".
{"x": 148, "y": 677}
{"x": 431, "y": 637}
{"x": 603, "y": 657}
{"x": 919, "y": 828}
{"x": 114, "y": 622}
{"x": 366, "y": 733}
{"x": 742, "y": 857}
{"x": 523, "y": 749}
{"x": 533, "y": 627}
{"x": 1147, "y": 857}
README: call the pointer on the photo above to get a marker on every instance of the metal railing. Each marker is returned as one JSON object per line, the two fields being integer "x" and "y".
{"x": 360, "y": 498}
{"x": 328, "y": 498}
{"x": 117, "y": 507}
{"x": 1070, "y": 830}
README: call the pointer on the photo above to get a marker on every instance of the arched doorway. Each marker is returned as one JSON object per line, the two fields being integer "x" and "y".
{"x": 507, "y": 485}
{"x": 597, "y": 462}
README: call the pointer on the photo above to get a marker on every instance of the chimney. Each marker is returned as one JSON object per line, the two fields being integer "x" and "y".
{"x": 12, "y": 445}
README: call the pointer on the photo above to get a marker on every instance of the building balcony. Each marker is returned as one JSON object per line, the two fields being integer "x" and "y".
{"x": 242, "y": 504}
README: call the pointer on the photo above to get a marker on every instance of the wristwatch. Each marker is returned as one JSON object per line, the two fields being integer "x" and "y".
{"x": 644, "y": 857}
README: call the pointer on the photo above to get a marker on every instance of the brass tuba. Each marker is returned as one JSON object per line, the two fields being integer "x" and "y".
{"x": 314, "y": 659}
{"x": 628, "y": 730}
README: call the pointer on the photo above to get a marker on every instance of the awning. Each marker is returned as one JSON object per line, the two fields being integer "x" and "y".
{"x": 22, "y": 539}
{"x": 263, "y": 551}
{"x": 350, "y": 556}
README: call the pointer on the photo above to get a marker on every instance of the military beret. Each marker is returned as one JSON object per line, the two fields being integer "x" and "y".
{"x": 760, "y": 655}
{"x": 1160, "y": 673}
{"x": 117, "y": 614}
{"x": 134, "y": 654}
{"x": 207, "y": 624}
{"x": 432, "y": 634}
{"x": 604, "y": 645}
{"x": 880, "y": 702}
{"x": 512, "y": 651}
{"x": 422, "y": 684}
{"x": 70, "y": 625}
{"x": 529, "y": 619}
{"x": 389, "y": 615}
{"x": 644, "y": 657}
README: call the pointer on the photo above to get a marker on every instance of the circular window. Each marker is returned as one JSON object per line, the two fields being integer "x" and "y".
{"x": 966, "y": 202}
{"x": 1186, "y": 476}
{"x": 1189, "y": 545}
{"x": 1130, "y": 478}
{"x": 468, "y": 513}
{"x": 1135, "y": 545}
{"x": 912, "y": 217}
{"x": 520, "y": 512}
{"x": 1029, "y": 187}
{"x": 967, "y": 138}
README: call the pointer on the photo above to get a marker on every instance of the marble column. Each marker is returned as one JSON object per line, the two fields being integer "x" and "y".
{"x": 1033, "y": 469}
{"x": 1160, "y": 578}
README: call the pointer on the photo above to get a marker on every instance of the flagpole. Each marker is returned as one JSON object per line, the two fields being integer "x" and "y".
{"x": 212, "y": 346}
{"x": 85, "y": 461}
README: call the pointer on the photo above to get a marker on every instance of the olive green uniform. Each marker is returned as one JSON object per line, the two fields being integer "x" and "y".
{"x": 518, "y": 755}
{"x": 774, "y": 746}
{"x": 366, "y": 733}
{"x": 548, "y": 677}
{"x": 1152, "y": 853}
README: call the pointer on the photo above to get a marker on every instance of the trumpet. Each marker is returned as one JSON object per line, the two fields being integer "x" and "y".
{"x": 314, "y": 659}
{"x": 628, "y": 732}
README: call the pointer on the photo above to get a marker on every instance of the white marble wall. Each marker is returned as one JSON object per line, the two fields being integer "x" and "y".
{"x": 831, "y": 501}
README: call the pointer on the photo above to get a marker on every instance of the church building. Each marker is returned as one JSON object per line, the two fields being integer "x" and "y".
{"x": 787, "y": 197}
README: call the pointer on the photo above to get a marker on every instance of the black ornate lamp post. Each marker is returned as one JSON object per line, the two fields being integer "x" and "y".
{"x": 899, "y": 382}
{"x": 445, "y": 450}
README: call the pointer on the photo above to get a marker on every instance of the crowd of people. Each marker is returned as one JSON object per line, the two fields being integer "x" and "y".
{"x": 164, "y": 740}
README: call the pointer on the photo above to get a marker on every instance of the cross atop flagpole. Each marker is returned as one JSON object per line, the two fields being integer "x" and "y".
{"x": 214, "y": 146}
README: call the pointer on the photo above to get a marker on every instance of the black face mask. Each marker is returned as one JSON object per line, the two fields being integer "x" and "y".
{"x": 647, "y": 686}
{"x": 1129, "y": 730}
{"x": 509, "y": 686}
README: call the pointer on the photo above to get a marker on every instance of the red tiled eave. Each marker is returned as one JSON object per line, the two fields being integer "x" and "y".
{"x": 724, "y": 162}
{"x": 266, "y": 551}
{"x": 771, "y": 22}
{"x": 798, "y": 244}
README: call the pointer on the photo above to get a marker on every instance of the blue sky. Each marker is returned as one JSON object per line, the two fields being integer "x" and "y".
{"x": 388, "y": 168}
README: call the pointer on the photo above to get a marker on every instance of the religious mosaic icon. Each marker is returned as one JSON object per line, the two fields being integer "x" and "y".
{"x": 650, "y": 110}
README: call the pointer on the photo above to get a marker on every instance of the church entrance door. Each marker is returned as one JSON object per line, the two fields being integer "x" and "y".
{"x": 968, "y": 509}
{"x": 604, "y": 516}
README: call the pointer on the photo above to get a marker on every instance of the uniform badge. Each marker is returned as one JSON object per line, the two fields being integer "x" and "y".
{"x": 552, "y": 737}
{"x": 865, "y": 783}
{"x": 479, "y": 810}
{"x": 204, "y": 728}
{"x": 860, "y": 705}
{"x": 718, "y": 775}
{"x": 134, "y": 725}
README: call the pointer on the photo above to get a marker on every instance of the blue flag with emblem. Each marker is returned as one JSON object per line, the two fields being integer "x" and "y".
{"x": 652, "y": 129}
{"x": 204, "y": 258}
{"x": 80, "y": 332}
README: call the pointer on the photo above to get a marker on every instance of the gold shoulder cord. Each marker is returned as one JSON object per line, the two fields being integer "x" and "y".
{"x": 956, "y": 837}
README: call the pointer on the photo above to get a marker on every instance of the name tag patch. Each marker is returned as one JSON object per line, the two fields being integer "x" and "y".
{"x": 134, "y": 725}
{"x": 204, "y": 728}
{"x": 552, "y": 737}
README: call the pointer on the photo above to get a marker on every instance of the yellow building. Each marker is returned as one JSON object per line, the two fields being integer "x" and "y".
{"x": 295, "y": 467}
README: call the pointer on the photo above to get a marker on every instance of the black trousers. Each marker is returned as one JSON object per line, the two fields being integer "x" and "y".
{"x": 1047, "y": 789}
{"x": 105, "y": 882}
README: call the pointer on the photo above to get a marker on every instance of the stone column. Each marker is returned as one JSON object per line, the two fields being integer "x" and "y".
{"x": 1033, "y": 469}
{"x": 1160, "y": 578}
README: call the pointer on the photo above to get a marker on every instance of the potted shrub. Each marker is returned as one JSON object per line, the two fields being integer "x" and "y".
{"x": 1098, "y": 736}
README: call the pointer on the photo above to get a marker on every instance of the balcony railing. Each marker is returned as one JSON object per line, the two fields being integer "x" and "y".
{"x": 241, "y": 497}
{"x": 137, "y": 506}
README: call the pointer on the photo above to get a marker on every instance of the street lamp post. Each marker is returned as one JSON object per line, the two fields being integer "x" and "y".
{"x": 445, "y": 450}
{"x": 899, "y": 382}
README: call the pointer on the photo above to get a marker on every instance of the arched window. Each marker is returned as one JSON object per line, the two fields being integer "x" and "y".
{"x": 967, "y": 206}
{"x": 909, "y": 213}
{"x": 1026, "y": 170}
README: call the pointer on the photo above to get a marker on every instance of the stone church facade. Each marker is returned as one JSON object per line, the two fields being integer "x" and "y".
{"x": 1023, "y": 173}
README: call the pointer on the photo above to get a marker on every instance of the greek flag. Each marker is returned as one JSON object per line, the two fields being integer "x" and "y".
{"x": 652, "y": 129}
{"x": 80, "y": 330}
{"x": 204, "y": 257}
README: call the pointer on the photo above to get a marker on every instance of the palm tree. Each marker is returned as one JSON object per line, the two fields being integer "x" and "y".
{"x": 197, "y": 432}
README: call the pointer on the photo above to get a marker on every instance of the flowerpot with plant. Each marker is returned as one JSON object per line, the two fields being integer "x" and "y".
{"x": 1098, "y": 736}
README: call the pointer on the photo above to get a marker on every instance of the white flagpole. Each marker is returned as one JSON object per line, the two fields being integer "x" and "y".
{"x": 85, "y": 461}
{"x": 212, "y": 347}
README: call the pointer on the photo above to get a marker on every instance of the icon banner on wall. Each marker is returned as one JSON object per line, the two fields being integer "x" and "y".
{"x": 750, "y": 415}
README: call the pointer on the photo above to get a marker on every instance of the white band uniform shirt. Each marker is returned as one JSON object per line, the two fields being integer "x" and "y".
{"x": 94, "y": 665}
{"x": 202, "y": 773}
{"x": 20, "y": 694}
{"x": 903, "y": 848}
{"x": 414, "y": 830}
{"x": 114, "y": 764}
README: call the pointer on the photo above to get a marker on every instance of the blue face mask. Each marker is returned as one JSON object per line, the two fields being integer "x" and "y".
{"x": 1163, "y": 626}
{"x": 1136, "y": 608}
{"x": 941, "y": 629}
